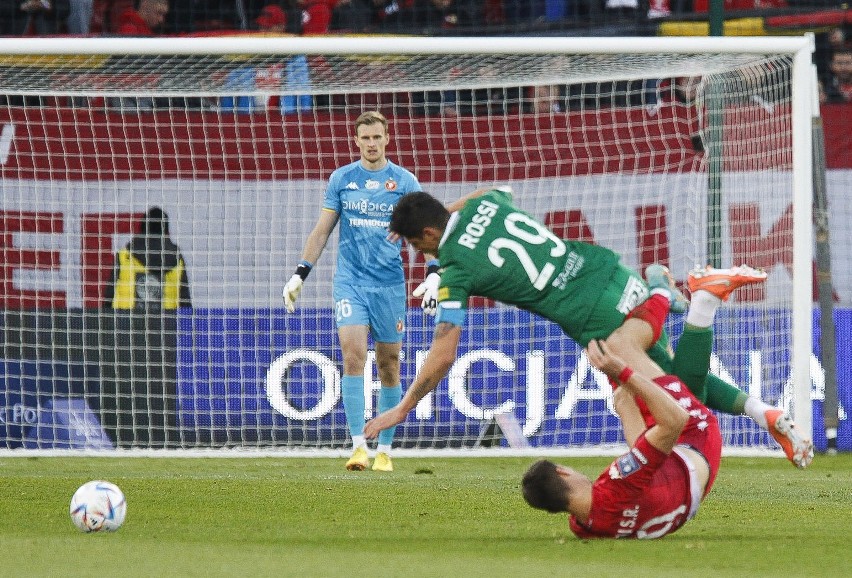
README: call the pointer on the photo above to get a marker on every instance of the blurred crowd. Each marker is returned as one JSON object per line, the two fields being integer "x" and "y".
{"x": 418, "y": 17}
{"x": 20, "y": 17}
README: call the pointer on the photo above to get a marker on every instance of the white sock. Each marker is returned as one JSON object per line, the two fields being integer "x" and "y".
{"x": 383, "y": 448}
{"x": 358, "y": 441}
{"x": 702, "y": 309}
{"x": 756, "y": 410}
{"x": 664, "y": 292}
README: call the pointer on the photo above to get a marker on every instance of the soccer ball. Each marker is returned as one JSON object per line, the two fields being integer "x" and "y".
{"x": 98, "y": 506}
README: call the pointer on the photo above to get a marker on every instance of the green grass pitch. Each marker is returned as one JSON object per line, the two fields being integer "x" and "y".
{"x": 443, "y": 517}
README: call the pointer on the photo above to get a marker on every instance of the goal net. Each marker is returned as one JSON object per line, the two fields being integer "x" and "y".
{"x": 675, "y": 151}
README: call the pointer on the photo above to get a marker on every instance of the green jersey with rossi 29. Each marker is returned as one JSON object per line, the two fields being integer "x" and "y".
{"x": 493, "y": 249}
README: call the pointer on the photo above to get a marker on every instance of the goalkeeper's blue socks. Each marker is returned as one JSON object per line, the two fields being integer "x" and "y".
{"x": 388, "y": 398}
{"x": 353, "y": 403}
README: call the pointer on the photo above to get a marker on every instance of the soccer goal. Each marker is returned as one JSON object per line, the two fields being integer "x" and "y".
{"x": 681, "y": 151}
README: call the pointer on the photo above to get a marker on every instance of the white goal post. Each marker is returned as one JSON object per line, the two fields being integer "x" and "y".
{"x": 675, "y": 150}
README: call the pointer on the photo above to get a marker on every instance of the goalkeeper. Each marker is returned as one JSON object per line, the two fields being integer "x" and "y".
{"x": 369, "y": 287}
{"x": 493, "y": 249}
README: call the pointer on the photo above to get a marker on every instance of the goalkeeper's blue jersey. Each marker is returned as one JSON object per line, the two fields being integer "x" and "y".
{"x": 365, "y": 199}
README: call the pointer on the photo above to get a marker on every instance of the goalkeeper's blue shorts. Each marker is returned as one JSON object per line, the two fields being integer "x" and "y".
{"x": 382, "y": 309}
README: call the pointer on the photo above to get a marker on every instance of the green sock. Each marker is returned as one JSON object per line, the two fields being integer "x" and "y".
{"x": 724, "y": 397}
{"x": 692, "y": 359}
{"x": 692, "y": 364}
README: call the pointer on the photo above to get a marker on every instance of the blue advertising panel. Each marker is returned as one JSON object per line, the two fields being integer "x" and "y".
{"x": 843, "y": 336}
{"x": 41, "y": 405}
{"x": 67, "y": 423}
{"x": 263, "y": 375}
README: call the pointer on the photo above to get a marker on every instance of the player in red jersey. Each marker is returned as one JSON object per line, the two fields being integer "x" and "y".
{"x": 675, "y": 443}
{"x": 657, "y": 486}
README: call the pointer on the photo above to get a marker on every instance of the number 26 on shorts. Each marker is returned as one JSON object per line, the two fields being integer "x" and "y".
{"x": 343, "y": 309}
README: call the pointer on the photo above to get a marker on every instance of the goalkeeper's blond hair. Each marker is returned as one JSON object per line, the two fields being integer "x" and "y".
{"x": 371, "y": 117}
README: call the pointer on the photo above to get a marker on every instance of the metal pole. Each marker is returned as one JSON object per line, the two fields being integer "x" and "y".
{"x": 715, "y": 135}
{"x": 717, "y": 17}
{"x": 827, "y": 338}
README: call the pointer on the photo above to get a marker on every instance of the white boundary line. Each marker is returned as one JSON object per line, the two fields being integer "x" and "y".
{"x": 251, "y": 453}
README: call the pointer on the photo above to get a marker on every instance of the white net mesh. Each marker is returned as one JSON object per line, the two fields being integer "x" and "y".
{"x": 237, "y": 150}
{"x": 189, "y": 75}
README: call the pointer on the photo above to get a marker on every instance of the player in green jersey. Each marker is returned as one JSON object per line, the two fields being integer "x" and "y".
{"x": 490, "y": 248}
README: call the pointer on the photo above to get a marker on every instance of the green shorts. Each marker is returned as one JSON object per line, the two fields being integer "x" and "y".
{"x": 625, "y": 290}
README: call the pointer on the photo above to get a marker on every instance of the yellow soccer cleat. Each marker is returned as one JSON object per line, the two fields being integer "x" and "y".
{"x": 359, "y": 461}
{"x": 382, "y": 463}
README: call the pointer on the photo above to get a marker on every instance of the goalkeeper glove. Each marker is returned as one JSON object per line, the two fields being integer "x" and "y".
{"x": 294, "y": 285}
{"x": 429, "y": 290}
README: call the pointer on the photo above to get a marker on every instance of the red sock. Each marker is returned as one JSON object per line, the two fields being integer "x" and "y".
{"x": 653, "y": 312}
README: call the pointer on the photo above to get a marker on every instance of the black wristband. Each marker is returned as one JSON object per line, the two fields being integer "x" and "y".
{"x": 432, "y": 269}
{"x": 302, "y": 270}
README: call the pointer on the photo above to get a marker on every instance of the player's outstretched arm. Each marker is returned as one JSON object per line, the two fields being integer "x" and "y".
{"x": 441, "y": 356}
{"x": 669, "y": 416}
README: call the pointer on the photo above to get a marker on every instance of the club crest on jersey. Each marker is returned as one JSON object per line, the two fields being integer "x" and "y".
{"x": 371, "y": 185}
{"x": 390, "y": 185}
{"x": 624, "y": 466}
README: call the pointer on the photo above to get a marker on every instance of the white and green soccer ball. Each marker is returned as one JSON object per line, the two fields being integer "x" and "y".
{"x": 98, "y": 506}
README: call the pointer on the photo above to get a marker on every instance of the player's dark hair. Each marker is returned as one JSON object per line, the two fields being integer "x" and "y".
{"x": 416, "y": 211}
{"x": 544, "y": 488}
